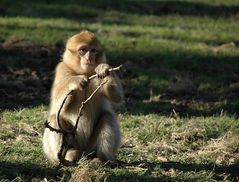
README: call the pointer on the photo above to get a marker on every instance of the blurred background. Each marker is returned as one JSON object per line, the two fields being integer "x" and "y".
{"x": 180, "y": 55}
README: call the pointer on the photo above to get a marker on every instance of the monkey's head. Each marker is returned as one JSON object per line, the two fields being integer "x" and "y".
{"x": 83, "y": 53}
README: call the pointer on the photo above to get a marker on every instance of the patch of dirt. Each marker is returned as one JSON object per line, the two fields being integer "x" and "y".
{"x": 26, "y": 72}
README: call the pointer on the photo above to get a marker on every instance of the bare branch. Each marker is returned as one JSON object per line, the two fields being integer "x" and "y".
{"x": 84, "y": 102}
{"x": 58, "y": 113}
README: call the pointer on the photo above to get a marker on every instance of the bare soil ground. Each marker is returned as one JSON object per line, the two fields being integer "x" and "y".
{"x": 26, "y": 73}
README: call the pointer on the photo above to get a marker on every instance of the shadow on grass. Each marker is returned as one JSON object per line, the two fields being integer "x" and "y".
{"x": 89, "y": 10}
{"x": 218, "y": 72}
{"x": 27, "y": 72}
{"x": 135, "y": 177}
{"x": 219, "y": 171}
{"x": 186, "y": 105}
{"x": 28, "y": 171}
{"x": 231, "y": 170}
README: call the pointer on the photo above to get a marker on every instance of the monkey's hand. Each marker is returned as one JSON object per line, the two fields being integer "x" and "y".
{"x": 102, "y": 70}
{"x": 79, "y": 82}
{"x": 84, "y": 81}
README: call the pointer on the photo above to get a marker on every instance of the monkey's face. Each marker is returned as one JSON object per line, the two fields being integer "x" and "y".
{"x": 88, "y": 57}
{"x": 88, "y": 51}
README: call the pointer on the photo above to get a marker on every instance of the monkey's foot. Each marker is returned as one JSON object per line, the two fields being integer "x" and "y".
{"x": 96, "y": 163}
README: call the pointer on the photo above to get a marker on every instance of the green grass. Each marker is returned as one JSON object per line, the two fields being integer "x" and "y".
{"x": 155, "y": 148}
{"x": 180, "y": 118}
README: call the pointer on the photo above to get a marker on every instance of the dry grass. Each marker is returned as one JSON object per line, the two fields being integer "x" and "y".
{"x": 86, "y": 172}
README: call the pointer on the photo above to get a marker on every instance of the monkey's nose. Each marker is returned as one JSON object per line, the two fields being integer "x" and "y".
{"x": 87, "y": 57}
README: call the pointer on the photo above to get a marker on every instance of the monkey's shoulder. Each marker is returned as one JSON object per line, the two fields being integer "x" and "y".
{"x": 63, "y": 68}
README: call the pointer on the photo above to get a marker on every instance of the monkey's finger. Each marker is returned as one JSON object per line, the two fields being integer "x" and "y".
{"x": 105, "y": 73}
{"x": 100, "y": 75}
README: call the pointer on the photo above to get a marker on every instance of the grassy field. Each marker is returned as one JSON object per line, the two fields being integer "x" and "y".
{"x": 180, "y": 117}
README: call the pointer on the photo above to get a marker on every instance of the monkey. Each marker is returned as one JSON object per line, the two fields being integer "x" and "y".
{"x": 98, "y": 130}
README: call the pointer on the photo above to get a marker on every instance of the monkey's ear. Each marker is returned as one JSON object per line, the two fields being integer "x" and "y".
{"x": 87, "y": 32}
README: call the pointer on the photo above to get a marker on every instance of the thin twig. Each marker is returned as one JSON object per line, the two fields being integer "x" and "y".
{"x": 60, "y": 130}
{"x": 47, "y": 125}
{"x": 58, "y": 114}
{"x": 84, "y": 102}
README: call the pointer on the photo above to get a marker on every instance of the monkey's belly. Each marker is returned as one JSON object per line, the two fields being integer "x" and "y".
{"x": 85, "y": 126}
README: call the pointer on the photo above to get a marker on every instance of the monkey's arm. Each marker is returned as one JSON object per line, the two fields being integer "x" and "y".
{"x": 66, "y": 81}
{"x": 112, "y": 89}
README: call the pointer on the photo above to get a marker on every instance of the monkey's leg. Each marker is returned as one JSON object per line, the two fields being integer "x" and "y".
{"x": 109, "y": 137}
{"x": 52, "y": 143}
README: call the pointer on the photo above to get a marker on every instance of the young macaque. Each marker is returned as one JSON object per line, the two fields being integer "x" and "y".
{"x": 98, "y": 130}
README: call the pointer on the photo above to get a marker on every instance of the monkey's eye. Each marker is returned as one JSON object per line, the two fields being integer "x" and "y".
{"x": 82, "y": 50}
{"x": 93, "y": 50}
